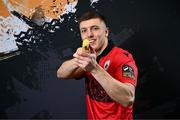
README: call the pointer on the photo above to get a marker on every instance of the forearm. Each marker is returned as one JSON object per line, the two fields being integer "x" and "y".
{"x": 118, "y": 91}
{"x": 68, "y": 70}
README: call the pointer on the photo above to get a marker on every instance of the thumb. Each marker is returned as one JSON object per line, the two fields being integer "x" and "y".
{"x": 92, "y": 50}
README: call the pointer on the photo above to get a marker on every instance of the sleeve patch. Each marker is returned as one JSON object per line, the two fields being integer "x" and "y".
{"x": 128, "y": 71}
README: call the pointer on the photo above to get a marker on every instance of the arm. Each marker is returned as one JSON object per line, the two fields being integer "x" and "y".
{"x": 123, "y": 93}
{"x": 120, "y": 92}
{"x": 69, "y": 69}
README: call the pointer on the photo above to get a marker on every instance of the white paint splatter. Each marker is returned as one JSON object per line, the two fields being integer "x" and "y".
{"x": 93, "y": 1}
{"x": 13, "y": 26}
{"x": 71, "y": 29}
{"x": 70, "y": 8}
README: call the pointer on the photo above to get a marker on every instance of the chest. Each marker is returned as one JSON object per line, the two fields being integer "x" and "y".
{"x": 108, "y": 63}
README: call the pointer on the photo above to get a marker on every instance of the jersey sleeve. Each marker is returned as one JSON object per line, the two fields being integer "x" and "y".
{"x": 127, "y": 72}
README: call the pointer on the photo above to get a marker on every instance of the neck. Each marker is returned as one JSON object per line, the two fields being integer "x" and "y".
{"x": 103, "y": 48}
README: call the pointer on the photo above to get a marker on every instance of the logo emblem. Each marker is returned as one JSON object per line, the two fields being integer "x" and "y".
{"x": 128, "y": 71}
{"x": 106, "y": 64}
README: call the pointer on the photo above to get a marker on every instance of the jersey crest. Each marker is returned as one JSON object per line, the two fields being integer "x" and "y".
{"x": 106, "y": 64}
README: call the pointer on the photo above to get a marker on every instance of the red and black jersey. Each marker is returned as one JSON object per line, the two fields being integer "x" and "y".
{"x": 121, "y": 66}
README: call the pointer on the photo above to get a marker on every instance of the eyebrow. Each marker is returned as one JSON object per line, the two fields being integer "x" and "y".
{"x": 89, "y": 27}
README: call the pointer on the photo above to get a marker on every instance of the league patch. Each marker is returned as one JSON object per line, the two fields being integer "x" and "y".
{"x": 128, "y": 71}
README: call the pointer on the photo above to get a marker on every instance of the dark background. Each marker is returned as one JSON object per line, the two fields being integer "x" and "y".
{"x": 149, "y": 29}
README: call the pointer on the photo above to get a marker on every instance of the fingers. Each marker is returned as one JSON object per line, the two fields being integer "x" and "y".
{"x": 92, "y": 50}
{"x": 84, "y": 52}
{"x": 84, "y": 58}
{"x": 81, "y": 57}
{"x": 81, "y": 63}
{"x": 81, "y": 52}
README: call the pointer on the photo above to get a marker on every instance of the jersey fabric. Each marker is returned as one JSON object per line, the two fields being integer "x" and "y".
{"x": 121, "y": 66}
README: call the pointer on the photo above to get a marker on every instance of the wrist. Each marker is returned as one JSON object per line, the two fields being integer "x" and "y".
{"x": 95, "y": 69}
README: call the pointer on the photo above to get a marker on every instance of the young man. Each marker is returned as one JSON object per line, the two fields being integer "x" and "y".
{"x": 110, "y": 72}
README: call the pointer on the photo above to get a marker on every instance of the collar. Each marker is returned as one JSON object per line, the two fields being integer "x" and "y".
{"x": 106, "y": 50}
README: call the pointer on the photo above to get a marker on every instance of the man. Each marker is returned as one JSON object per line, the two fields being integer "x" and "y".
{"x": 110, "y": 72}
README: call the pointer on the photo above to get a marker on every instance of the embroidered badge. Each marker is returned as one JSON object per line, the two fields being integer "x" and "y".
{"x": 128, "y": 71}
{"x": 106, "y": 64}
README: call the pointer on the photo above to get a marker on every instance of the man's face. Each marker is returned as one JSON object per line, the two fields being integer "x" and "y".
{"x": 96, "y": 31}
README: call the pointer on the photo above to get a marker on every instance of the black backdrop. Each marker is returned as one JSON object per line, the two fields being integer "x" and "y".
{"x": 148, "y": 29}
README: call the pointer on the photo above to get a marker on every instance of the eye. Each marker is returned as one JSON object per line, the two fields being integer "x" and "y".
{"x": 95, "y": 28}
{"x": 83, "y": 30}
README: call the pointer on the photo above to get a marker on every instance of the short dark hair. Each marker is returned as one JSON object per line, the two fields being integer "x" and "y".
{"x": 90, "y": 15}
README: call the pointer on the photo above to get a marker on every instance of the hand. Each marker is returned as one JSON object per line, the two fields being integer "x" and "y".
{"x": 86, "y": 59}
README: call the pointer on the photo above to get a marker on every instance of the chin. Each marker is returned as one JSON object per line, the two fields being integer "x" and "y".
{"x": 94, "y": 47}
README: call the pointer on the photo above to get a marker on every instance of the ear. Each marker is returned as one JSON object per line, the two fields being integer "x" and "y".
{"x": 107, "y": 32}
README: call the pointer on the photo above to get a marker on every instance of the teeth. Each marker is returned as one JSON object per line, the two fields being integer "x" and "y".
{"x": 91, "y": 41}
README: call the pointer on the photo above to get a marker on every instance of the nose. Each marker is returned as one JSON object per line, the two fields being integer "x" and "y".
{"x": 89, "y": 33}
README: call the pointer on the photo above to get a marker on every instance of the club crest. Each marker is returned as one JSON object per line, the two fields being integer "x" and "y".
{"x": 106, "y": 64}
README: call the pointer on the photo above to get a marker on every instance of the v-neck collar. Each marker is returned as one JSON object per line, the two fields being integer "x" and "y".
{"x": 106, "y": 50}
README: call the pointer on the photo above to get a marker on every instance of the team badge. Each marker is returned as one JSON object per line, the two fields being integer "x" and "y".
{"x": 128, "y": 71}
{"x": 106, "y": 65}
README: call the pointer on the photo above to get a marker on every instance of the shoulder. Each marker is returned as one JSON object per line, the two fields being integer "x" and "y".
{"x": 121, "y": 54}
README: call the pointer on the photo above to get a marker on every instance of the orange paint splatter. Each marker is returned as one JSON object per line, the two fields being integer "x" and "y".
{"x": 51, "y": 8}
{"x": 4, "y": 11}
